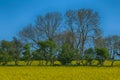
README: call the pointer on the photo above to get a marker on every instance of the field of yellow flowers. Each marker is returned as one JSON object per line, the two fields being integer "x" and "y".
{"x": 35, "y": 72}
{"x": 59, "y": 73}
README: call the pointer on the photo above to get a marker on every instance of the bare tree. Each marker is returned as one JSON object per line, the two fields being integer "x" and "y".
{"x": 113, "y": 45}
{"x": 28, "y": 34}
{"x": 99, "y": 42}
{"x": 52, "y": 23}
{"x": 84, "y": 24}
{"x": 49, "y": 24}
{"x": 71, "y": 17}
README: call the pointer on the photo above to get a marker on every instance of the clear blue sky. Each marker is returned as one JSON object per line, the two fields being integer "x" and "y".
{"x": 15, "y": 14}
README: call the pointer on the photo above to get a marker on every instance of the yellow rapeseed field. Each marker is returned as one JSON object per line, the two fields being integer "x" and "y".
{"x": 59, "y": 73}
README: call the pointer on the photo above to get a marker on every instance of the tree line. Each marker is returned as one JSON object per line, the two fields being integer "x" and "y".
{"x": 74, "y": 36}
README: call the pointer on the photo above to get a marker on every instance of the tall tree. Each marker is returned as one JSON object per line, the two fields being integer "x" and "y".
{"x": 50, "y": 23}
{"x": 16, "y": 49}
{"x": 84, "y": 24}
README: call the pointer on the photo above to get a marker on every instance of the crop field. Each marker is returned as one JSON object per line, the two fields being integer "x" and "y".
{"x": 59, "y": 73}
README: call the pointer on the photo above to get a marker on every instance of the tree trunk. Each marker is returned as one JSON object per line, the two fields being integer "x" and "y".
{"x": 46, "y": 62}
{"x": 16, "y": 62}
{"x": 113, "y": 59}
{"x": 112, "y": 63}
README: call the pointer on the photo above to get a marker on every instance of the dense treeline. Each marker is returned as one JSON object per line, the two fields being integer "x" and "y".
{"x": 74, "y": 36}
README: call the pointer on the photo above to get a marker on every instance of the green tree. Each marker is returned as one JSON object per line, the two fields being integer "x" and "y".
{"x": 67, "y": 54}
{"x": 48, "y": 50}
{"x": 89, "y": 56}
{"x": 16, "y": 49}
{"x": 101, "y": 55}
{"x": 26, "y": 54}
{"x": 5, "y": 48}
{"x": 41, "y": 55}
{"x": 5, "y": 57}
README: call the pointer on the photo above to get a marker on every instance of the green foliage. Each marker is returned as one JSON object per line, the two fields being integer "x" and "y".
{"x": 26, "y": 53}
{"x": 47, "y": 44}
{"x": 36, "y": 55}
{"x": 40, "y": 55}
{"x": 6, "y": 58}
{"x": 5, "y": 49}
{"x": 89, "y": 56}
{"x": 47, "y": 50}
{"x": 101, "y": 55}
{"x": 67, "y": 54}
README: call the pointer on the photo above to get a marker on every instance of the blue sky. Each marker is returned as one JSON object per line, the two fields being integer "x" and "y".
{"x": 15, "y": 14}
